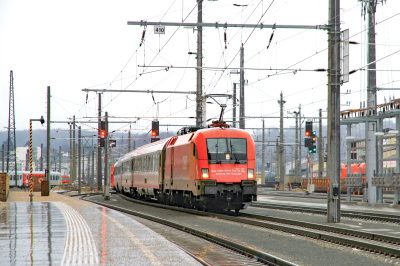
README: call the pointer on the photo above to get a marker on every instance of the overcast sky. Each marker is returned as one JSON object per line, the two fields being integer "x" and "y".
{"x": 72, "y": 45}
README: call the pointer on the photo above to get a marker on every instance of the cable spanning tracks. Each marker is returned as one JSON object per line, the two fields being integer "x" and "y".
{"x": 383, "y": 217}
{"x": 242, "y": 254}
{"x": 370, "y": 242}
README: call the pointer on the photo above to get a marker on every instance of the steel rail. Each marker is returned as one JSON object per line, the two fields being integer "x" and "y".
{"x": 351, "y": 214}
{"x": 271, "y": 223}
{"x": 246, "y": 250}
{"x": 314, "y": 196}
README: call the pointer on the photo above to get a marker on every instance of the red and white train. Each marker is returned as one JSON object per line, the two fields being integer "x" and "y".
{"x": 209, "y": 169}
{"x": 22, "y": 178}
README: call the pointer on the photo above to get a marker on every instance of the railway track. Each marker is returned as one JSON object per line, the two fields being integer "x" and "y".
{"x": 315, "y": 196}
{"x": 392, "y": 218}
{"x": 375, "y": 243}
{"x": 223, "y": 251}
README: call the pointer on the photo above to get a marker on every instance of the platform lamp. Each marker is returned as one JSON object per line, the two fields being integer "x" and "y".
{"x": 41, "y": 120}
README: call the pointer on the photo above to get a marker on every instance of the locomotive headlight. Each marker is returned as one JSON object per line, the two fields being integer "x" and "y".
{"x": 204, "y": 173}
{"x": 250, "y": 173}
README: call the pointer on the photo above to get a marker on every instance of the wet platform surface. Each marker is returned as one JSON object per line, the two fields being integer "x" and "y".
{"x": 60, "y": 230}
{"x": 31, "y": 234}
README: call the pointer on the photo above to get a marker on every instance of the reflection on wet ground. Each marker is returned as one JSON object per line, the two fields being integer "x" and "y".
{"x": 32, "y": 234}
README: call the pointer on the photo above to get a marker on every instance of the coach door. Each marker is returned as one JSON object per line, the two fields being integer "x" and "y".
{"x": 133, "y": 171}
{"x": 172, "y": 166}
{"x": 122, "y": 170}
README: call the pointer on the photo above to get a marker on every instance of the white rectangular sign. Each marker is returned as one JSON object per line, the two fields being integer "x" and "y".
{"x": 345, "y": 65}
{"x": 159, "y": 29}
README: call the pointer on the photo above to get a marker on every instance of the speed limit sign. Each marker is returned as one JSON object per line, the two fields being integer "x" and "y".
{"x": 159, "y": 29}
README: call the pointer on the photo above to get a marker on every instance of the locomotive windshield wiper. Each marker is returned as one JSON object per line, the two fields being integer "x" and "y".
{"x": 234, "y": 154}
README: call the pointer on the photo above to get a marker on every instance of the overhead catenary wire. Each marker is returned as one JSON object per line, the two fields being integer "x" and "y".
{"x": 173, "y": 34}
{"x": 269, "y": 76}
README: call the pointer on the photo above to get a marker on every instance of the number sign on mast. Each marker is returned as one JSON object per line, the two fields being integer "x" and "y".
{"x": 159, "y": 29}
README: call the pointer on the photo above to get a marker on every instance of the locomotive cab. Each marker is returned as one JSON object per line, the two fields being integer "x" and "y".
{"x": 226, "y": 158}
{"x": 211, "y": 169}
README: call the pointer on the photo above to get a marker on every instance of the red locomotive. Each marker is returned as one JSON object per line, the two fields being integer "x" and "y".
{"x": 210, "y": 168}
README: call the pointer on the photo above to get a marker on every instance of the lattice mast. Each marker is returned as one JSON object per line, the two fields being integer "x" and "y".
{"x": 11, "y": 143}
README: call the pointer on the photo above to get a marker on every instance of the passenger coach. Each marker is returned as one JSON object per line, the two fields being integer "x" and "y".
{"x": 210, "y": 168}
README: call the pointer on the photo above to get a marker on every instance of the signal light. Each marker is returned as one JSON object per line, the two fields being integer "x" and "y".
{"x": 155, "y": 128}
{"x": 102, "y": 142}
{"x": 312, "y": 149}
{"x": 102, "y": 133}
{"x": 308, "y": 142}
{"x": 309, "y": 128}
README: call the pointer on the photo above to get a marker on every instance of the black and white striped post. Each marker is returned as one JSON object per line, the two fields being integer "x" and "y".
{"x": 31, "y": 183}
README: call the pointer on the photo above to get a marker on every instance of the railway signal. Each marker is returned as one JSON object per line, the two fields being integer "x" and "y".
{"x": 155, "y": 128}
{"x": 307, "y": 142}
{"x": 310, "y": 144}
{"x": 313, "y": 139}
{"x": 102, "y": 133}
{"x": 312, "y": 149}
{"x": 308, "y": 131}
{"x": 113, "y": 143}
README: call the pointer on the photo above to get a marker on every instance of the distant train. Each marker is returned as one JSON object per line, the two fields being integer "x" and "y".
{"x": 209, "y": 169}
{"x": 65, "y": 179}
{"x": 23, "y": 178}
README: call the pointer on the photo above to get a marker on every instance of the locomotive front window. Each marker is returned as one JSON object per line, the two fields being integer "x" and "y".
{"x": 227, "y": 150}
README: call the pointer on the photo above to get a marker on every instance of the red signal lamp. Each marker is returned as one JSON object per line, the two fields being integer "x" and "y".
{"x": 307, "y": 133}
{"x": 153, "y": 133}
{"x": 102, "y": 133}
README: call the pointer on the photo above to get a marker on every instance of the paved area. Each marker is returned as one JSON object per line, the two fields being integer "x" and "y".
{"x": 60, "y": 230}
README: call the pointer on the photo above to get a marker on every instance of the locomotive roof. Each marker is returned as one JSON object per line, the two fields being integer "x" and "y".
{"x": 148, "y": 148}
{"x": 230, "y": 131}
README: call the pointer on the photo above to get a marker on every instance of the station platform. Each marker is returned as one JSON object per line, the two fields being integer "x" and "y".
{"x": 60, "y": 230}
